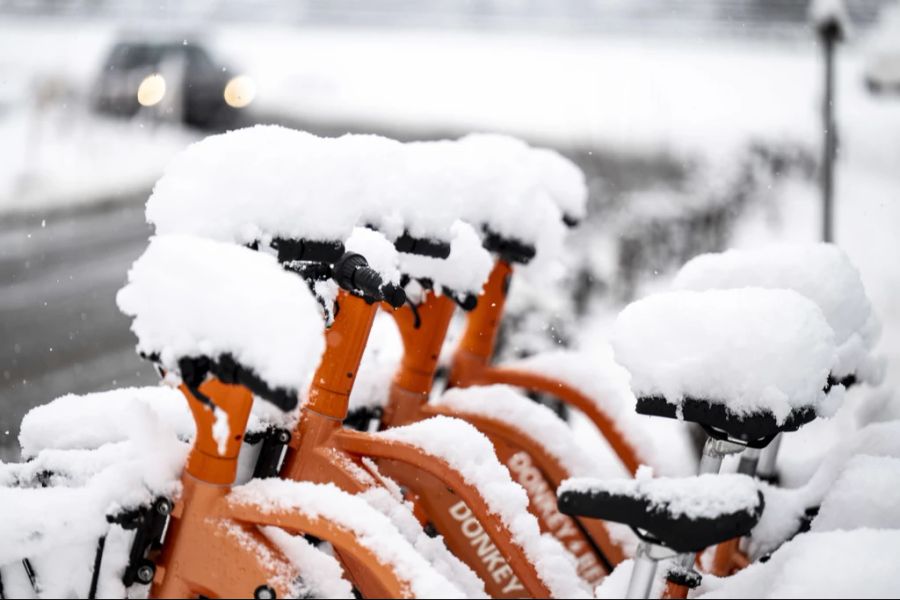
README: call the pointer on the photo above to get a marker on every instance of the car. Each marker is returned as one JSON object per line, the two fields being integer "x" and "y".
{"x": 882, "y": 66}
{"x": 172, "y": 80}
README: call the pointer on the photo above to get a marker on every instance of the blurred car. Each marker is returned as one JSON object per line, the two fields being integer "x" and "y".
{"x": 882, "y": 68}
{"x": 171, "y": 80}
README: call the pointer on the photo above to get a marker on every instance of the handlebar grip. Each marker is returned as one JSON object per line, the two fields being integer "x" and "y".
{"x": 353, "y": 273}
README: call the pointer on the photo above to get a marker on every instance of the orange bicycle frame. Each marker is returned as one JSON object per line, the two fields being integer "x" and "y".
{"x": 321, "y": 450}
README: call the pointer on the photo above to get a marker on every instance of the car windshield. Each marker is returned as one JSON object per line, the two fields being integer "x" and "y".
{"x": 132, "y": 56}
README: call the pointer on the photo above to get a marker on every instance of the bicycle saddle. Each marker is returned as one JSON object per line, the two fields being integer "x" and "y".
{"x": 821, "y": 272}
{"x": 744, "y": 363}
{"x": 685, "y": 515}
{"x": 755, "y": 430}
{"x": 201, "y": 307}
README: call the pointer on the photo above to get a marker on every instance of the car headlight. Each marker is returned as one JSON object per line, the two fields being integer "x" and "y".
{"x": 240, "y": 91}
{"x": 151, "y": 90}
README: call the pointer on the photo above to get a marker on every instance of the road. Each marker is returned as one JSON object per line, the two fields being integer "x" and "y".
{"x": 60, "y": 330}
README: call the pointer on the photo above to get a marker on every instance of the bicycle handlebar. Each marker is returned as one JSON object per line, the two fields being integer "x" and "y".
{"x": 422, "y": 246}
{"x": 353, "y": 273}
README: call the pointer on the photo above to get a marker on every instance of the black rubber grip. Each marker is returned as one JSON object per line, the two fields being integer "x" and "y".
{"x": 422, "y": 246}
{"x": 353, "y": 273}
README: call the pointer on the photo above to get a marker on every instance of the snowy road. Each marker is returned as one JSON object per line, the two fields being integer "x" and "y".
{"x": 59, "y": 325}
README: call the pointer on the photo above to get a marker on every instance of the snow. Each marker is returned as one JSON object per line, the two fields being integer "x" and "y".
{"x": 84, "y": 486}
{"x": 785, "y": 507}
{"x": 707, "y": 496}
{"x": 821, "y": 272}
{"x": 728, "y": 346}
{"x": 662, "y": 444}
{"x": 464, "y": 271}
{"x": 372, "y": 529}
{"x": 864, "y": 495}
{"x": 560, "y": 178}
{"x": 390, "y": 503}
{"x": 323, "y": 575}
{"x": 380, "y": 361}
{"x": 192, "y": 297}
{"x": 836, "y": 564}
{"x": 90, "y": 421}
{"x": 258, "y": 183}
{"x": 470, "y": 453}
{"x": 502, "y": 403}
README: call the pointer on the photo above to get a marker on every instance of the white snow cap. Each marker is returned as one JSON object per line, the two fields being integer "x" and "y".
{"x": 256, "y": 184}
{"x": 821, "y": 272}
{"x": 492, "y": 182}
{"x": 826, "y": 12}
{"x": 752, "y": 349}
{"x": 837, "y": 564}
{"x": 865, "y": 495}
{"x": 700, "y": 497}
{"x": 464, "y": 271}
{"x": 87, "y": 422}
{"x": 192, "y": 297}
{"x": 563, "y": 181}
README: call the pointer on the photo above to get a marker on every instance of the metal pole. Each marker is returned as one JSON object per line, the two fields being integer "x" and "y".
{"x": 830, "y": 147}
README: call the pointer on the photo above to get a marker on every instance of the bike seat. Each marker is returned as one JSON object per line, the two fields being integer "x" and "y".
{"x": 744, "y": 363}
{"x": 821, "y": 272}
{"x": 685, "y": 515}
{"x": 258, "y": 184}
{"x": 754, "y": 430}
{"x": 201, "y": 307}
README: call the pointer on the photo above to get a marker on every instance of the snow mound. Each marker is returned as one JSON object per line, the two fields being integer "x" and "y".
{"x": 753, "y": 350}
{"x": 468, "y": 451}
{"x": 373, "y": 529}
{"x": 661, "y": 443}
{"x": 258, "y": 183}
{"x": 464, "y": 271}
{"x": 700, "y": 497}
{"x": 821, "y": 272}
{"x": 865, "y": 495}
{"x": 836, "y": 564}
{"x": 87, "y": 422}
{"x": 192, "y": 297}
{"x": 493, "y": 185}
{"x": 559, "y": 177}
{"x": 502, "y": 403}
{"x": 785, "y": 508}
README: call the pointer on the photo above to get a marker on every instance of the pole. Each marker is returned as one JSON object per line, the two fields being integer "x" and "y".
{"x": 830, "y": 146}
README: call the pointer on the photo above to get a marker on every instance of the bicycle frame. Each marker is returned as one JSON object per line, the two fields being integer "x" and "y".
{"x": 471, "y": 365}
{"x": 213, "y": 546}
{"x": 321, "y": 450}
{"x": 423, "y": 332}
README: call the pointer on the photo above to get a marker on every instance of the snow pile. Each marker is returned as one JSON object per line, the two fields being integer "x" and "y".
{"x": 90, "y": 421}
{"x": 836, "y": 564}
{"x": 372, "y": 529}
{"x": 390, "y": 503}
{"x": 785, "y": 508}
{"x": 754, "y": 350}
{"x": 490, "y": 180}
{"x": 192, "y": 297}
{"x": 661, "y": 444}
{"x": 255, "y": 184}
{"x": 470, "y": 453}
{"x": 464, "y": 271}
{"x": 84, "y": 485}
{"x": 706, "y": 496}
{"x": 864, "y": 495}
{"x": 560, "y": 178}
{"x": 821, "y": 272}
{"x": 502, "y": 403}
{"x": 322, "y": 574}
